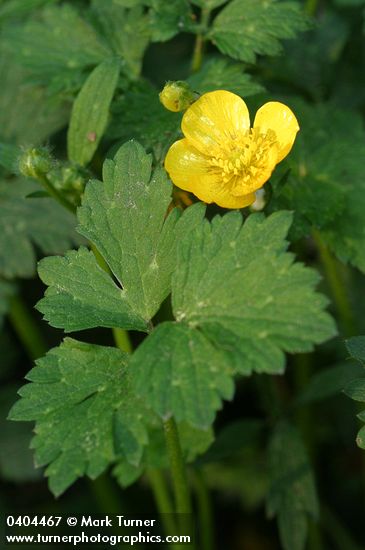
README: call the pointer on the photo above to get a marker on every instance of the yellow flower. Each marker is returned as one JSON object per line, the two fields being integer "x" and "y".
{"x": 223, "y": 160}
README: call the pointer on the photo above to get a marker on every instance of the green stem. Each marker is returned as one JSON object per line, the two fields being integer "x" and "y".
{"x": 311, "y": 7}
{"x": 337, "y": 286}
{"x": 162, "y": 499}
{"x": 197, "y": 59}
{"x": 106, "y": 496}
{"x": 122, "y": 340}
{"x": 55, "y": 194}
{"x": 205, "y": 511}
{"x": 178, "y": 469}
{"x": 26, "y": 329}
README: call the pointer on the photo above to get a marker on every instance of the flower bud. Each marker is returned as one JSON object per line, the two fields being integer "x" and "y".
{"x": 35, "y": 162}
{"x": 177, "y": 96}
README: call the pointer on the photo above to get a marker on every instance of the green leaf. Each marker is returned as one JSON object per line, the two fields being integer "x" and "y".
{"x": 308, "y": 62}
{"x": 221, "y": 74}
{"x": 126, "y": 474}
{"x": 241, "y": 288}
{"x": 125, "y": 217}
{"x": 356, "y": 388}
{"x": 24, "y": 223}
{"x": 232, "y": 439}
{"x": 356, "y": 348}
{"x": 179, "y": 372}
{"x": 245, "y": 28}
{"x": 27, "y": 114}
{"x": 41, "y": 47}
{"x": 193, "y": 443}
{"x": 139, "y": 114}
{"x": 329, "y": 382}
{"x": 82, "y": 295}
{"x": 292, "y": 496}
{"x": 86, "y": 416}
{"x": 326, "y": 182}
{"x": 20, "y": 8}
{"x": 90, "y": 112}
{"x": 9, "y": 155}
{"x": 127, "y": 32}
{"x": 167, "y": 19}
{"x": 16, "y": 461}
{"x": 238, "y": 300}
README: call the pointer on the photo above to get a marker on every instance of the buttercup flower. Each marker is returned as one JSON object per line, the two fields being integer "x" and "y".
{"x": 223, "y": 160}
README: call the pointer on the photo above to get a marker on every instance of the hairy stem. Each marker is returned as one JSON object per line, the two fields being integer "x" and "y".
{"x": 26, "y": 329}
{"x": 56, "y": 194}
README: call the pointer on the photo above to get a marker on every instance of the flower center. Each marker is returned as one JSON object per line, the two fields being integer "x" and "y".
{"x": 244, "y": 160}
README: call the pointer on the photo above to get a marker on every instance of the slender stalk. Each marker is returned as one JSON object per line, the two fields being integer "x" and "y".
{"x": 315, "y": 539}
{"x": 205, "y": 512}
{"x": 162, "y": 499}
{"x": 197, "y": 59}
{"x": 108, "y": 501}
{"x": 106, "y": 496}
{"x": 55, "y": 194}
{"x": 311, "y": 7}
{"x": 26, "y": 329}
{"x": 122, "y": 340}
{"x": 337, "y": 286}
{"x": 178, "y": 469}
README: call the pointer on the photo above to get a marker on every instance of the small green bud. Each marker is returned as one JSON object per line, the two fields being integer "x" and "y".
{"x": 35, "y": 162}
{"x": 177, "y": 96}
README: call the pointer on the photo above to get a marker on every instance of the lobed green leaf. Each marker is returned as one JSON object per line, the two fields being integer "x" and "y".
{"x": 86, "y": 415}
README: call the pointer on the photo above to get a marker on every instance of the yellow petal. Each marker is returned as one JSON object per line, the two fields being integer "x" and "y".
{"x": 227, "y": 200}
{"x": 189, "y": 170}
{"x": 213, "y": 118}
{"x": 279, "y": 118}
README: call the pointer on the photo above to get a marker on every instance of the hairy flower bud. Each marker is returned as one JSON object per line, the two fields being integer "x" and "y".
{"x": 177, "y": 96}
{"x": 35, "y": 162}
